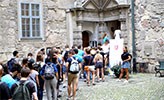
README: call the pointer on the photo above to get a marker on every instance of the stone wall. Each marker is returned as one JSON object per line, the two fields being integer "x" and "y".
{"x": 149, "y": 27}
{"x": 54, "y": 24}
{"x": 8, "y": 27}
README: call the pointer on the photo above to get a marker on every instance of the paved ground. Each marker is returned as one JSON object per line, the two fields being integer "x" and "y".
{"x": 140, "y": 87}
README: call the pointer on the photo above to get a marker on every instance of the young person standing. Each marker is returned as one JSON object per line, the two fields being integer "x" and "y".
{"x": 72, "y": 76}
{"x": 126, "y": 58}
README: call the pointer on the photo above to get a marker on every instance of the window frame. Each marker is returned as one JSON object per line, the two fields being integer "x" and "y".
{"x": 30, "y": 16}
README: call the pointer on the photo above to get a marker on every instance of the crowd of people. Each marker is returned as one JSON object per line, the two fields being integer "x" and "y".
{"x": 53, "y": 67}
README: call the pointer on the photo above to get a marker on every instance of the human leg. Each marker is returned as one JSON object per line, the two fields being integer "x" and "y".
{"x": 98, "y": 77}
{"x": 70, "y": 78}
{"x": 122, "y": 72}
{"x": 75, "y": 83}
{"x": 102, "y": 74}
{"x": 127, "y": 73}
{"x": 48, "y": 89}
{"x": 54, "y": 87}
{"x": 93, "y": 77}
{"x": 88, "y": 77}
{"x": 64, "y": 80}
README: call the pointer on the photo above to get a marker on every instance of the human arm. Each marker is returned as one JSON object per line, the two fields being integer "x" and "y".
{"x": 37, "y": 81}
{"x": 56, "y": 71}
{"x": 32, "y": 90}
{"x": 42, "y": 72}
{"x": 128, "y": 59}
{"x": 80, "y": 65}
{"x": 67, "y": 64}
{"x": 35, "y": 97}
{"x": 95, "y": 59}
{"x": 56, "y": 74}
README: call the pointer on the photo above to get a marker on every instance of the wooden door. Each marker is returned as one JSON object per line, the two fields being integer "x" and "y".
{"x": 85, "y": 38}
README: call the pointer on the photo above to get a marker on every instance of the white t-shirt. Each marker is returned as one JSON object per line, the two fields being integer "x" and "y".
{"x": 33, "y": 75}
{"x": 105, "y": 48}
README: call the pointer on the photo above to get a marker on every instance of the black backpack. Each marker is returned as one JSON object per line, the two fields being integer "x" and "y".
{"x": 37, "y": 67}
{"x": 21, "y": 92}
{"x": 11, "y": 63}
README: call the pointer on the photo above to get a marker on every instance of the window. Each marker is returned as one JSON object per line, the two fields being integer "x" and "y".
{"x": 30, "y": 20}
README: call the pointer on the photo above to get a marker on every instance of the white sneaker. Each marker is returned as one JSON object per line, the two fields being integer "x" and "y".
{"x": 66, "y": 79}
{"x": 126, "y": 81}
{"x": 64, "y": 85}
{"x": 118, "y": 80}
{"x": 68, "y": 98}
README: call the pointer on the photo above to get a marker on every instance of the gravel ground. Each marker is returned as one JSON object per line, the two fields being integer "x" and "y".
{"x": 140, "y": 87}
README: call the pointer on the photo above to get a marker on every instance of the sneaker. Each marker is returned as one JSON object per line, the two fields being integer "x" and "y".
{"x": 60, "y": 80}
{"x": 118, "y": 80}
{"x": 64, "y": 85}
{"x": 98, "y": 81}
{"x": 66, "y": 79}
{"x": 126, "y": 81}
{"x": 93, "y": 84}
{"x": 44, "y": 91}
{"x": 59, "y": 96}
{"x": 68, "y": 98}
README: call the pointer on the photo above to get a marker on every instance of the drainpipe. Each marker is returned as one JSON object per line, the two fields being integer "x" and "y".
{"x": 133, "y": 37}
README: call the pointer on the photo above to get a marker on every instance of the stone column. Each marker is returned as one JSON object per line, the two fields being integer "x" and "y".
{"x": 78, "y": 34}
{"x": 97, "y": 31}
{"x": 69, "y": 28}
{"x": 101, "y": 31}
{"x": 123, "y": 16}
{"x": 124, "y": 33}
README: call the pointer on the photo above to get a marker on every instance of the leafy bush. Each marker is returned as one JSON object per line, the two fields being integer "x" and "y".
{"x": 117, "y": 70}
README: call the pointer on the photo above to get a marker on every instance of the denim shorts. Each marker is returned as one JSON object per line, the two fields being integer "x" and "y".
{"x": 125, "y": 65}
{"x": 64, "y": 69}
{"x": 99, "y": 65}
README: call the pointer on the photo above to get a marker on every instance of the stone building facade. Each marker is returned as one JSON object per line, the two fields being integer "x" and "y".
{"x": 28, "y": 25}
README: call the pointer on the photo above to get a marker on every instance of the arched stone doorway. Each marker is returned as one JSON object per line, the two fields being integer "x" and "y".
{"x": 85, "y": 38}
{"x": 112, "y": 26}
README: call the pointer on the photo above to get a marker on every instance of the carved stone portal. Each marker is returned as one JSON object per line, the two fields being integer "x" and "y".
{"x": 100, "y": 12}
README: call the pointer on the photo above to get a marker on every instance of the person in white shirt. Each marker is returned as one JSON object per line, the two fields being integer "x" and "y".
{"x": 106, "y": 46}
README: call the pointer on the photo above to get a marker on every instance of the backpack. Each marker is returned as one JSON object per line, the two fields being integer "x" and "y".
{"x": 131, "y": 57}
{"x": 49, "y": 72}
{"x": 21, "y": 92}
{"x": 11, "y": 63}
{"x": 74, "y": 67}
{"x": 66, "y": 56}
{"x": 37, "y": 67}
